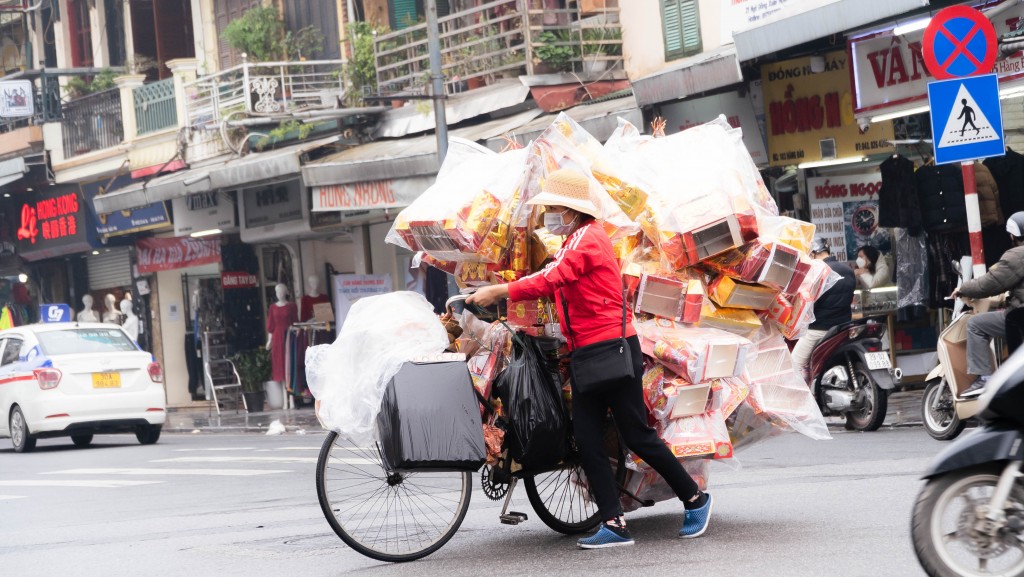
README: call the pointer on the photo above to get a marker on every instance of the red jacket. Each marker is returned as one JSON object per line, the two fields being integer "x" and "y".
{"x": 586, "y": 271}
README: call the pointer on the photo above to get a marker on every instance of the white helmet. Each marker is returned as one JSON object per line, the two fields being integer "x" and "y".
{"x": 1015, "y": 224}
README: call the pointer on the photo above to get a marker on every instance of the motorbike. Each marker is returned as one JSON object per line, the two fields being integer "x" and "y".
{"x": 852, "y": 375}
{"x": 943, "y": 411}
{"x": 969, "y": 517}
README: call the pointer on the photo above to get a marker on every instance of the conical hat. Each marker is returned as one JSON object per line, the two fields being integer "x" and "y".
{"x": 568, "y": 188}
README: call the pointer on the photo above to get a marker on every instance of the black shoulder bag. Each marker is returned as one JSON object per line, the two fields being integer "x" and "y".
{"x": 596, "y": 367}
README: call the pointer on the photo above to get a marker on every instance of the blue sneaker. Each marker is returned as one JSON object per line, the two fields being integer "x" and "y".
{"x": 606, "y": 537}
{"x": 696, "y": 521}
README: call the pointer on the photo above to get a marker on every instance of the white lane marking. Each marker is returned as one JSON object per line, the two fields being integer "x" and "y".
{"x": 355, "y": 461}
{"x": 9, "y": 497}
{"x": 210, "y": 472}
{"x": 232, "y": 459}
{"x": 216, "y": 449}
{"x": 95, "y": 483}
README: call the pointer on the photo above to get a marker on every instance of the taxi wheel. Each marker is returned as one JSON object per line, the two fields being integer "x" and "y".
{"x": 148, "y": 434}
{"x": 23, "y": 441}
{"x": 81, "y": 440}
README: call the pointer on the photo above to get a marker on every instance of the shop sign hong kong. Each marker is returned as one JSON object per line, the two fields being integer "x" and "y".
{"x": 50, "y": 219}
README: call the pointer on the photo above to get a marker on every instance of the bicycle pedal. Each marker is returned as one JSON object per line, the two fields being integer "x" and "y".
{"x": 647, "y": 503}
{"x": 513, "y": 518}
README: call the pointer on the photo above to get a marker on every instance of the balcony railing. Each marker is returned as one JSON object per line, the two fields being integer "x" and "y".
{"x": 155, "y": 106}
{"x": 93, "y": 122}
{"x": 263, "y": 88}
{"x": 501, "y": 38}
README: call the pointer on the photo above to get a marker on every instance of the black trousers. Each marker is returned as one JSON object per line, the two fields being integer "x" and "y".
{"x": 626, "y": 401}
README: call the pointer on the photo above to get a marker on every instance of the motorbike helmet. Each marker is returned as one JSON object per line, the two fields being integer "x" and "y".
{"x": 1015, "y": 224}
{"x": 821, "y": 245}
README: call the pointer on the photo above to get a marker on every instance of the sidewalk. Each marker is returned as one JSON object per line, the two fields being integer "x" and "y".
{"x": 203, "y": 419}
{"x": 904, "y": 410}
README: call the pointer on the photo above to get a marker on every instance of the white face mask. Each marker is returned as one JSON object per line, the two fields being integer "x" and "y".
{"x": 861, "y": 263}
{"x": 553, "y": 222}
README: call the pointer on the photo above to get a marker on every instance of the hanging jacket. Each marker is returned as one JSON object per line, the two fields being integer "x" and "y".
{"x": 586, "y": 272}
{"x": 897, "y": 199}
{"x": 940, "y": 191}
{"x": 1006, "y": 275}
{"x": 988, "y": 196}
{"x": 1008, "y": 172}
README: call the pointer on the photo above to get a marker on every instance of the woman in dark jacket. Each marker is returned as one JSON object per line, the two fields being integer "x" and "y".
{"x": 586, "y": 273}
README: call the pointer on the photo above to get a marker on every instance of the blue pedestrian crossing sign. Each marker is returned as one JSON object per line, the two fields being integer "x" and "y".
{"x": 967, "y": 123}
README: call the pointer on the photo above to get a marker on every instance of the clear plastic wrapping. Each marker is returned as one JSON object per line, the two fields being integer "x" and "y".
{"x": 697, "y": 354}
{"x": 469, "y": 213}
{"x": 911, "y": 269}
{"x": 348, "y": 377}
{"x": 778, "y": 392}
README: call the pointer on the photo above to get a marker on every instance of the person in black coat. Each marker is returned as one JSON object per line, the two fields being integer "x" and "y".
{"x": 832, "y": 308}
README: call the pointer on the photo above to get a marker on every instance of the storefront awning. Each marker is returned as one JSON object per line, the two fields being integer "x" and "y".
{"x": 401, "y": 158}
{"x": 815, "y": 19}
{"x": 263, "y": 166}
{"x": 599, "y": 119}
{"x": 707, "y": 71}
{"x": 406, "y": 120}
{"x": 233, "y": 173}
{"x": 12, "y": 170}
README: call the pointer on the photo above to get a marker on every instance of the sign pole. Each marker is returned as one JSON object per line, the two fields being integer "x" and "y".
{"x": 973, "y": 218}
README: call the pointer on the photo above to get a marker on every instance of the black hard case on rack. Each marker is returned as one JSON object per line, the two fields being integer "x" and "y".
{"x": 430, "y": 419}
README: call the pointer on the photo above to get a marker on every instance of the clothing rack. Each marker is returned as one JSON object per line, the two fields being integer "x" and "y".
{"x": 301, "y": 336}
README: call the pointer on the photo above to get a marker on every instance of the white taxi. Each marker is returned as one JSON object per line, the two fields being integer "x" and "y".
{"x": 76, "y": 380}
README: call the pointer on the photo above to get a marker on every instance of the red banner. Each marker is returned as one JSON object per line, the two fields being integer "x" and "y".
{"x": 160, "y": 254}
{"x": 237, "y": 280}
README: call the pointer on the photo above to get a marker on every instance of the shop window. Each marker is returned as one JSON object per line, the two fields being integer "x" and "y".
{"x": 80, "y": 32}
{"x": 680, "y": 22}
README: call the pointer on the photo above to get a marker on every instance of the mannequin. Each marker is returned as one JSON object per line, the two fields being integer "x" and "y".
{"x": 111, "y": 314}
{"x": 131, "y": 321}
{"x": 281, "y": 315}
{"x": 312, "y": 297}
{"x": 87, "y": 314}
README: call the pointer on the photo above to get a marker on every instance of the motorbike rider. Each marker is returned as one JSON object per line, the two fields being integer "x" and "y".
{"x": 1005, "y": 275}
{"x": 831, "y": 309}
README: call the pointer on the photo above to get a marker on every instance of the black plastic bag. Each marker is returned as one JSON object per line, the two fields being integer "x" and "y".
{"x": 430, "y": 419}
{"x": 537, "y": 423}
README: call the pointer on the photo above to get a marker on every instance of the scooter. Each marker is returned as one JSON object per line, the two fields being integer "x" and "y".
{"x": 943, "y": 410}
{"x": 969, "y": 516}
{"x": 852, "y": 375}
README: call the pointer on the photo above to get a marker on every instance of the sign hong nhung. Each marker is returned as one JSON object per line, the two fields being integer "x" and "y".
{"x": 809, "y": 116}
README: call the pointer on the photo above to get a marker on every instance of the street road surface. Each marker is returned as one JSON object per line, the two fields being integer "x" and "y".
{"x": 245, "y": 505}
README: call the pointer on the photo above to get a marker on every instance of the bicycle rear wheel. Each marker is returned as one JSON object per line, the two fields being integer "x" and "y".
{"x": 388, "y": 515}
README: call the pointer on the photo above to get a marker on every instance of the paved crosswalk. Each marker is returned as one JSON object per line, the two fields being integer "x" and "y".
{"x": 194, "y": 462}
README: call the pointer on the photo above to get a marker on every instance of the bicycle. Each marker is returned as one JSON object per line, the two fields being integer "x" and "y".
{"x": 399, "y": 516}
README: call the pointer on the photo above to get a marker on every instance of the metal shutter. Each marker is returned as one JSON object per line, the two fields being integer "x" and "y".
{"x": 681, "y": 23}
{"x": 109, "y": 269}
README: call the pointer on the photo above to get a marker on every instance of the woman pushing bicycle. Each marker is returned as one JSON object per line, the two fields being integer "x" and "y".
{"x": 584, "y": 278}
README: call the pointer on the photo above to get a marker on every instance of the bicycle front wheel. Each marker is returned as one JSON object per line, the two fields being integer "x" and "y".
{"x": 388, "y": 515}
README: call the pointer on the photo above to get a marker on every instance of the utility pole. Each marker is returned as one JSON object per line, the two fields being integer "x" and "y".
{"x": 437, "y": 81}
